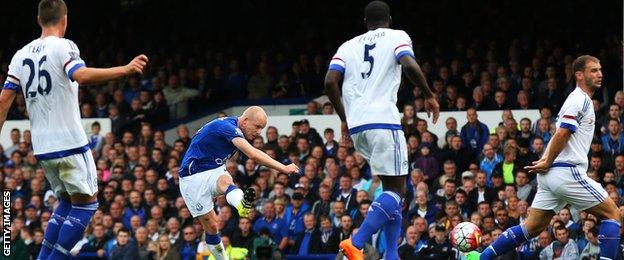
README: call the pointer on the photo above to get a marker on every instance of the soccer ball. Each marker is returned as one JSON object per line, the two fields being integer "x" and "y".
{"x": 466, "y": 236}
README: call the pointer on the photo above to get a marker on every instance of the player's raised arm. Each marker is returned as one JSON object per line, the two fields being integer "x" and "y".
{"x": 415, "y": 75}
{"x": 85, "y": 75}
{"x": 261, "y": 157}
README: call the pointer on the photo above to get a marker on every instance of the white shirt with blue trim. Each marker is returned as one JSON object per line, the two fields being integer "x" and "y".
{"x": 42, "y": 71}
{"x": 372, "y": 75}
{"x": 577, "y": 115}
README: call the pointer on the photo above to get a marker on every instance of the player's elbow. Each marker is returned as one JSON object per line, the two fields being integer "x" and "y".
{"x": 331, "y": 84}
{"x": 81, "y": 77}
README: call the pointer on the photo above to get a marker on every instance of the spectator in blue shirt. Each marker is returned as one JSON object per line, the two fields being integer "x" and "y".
{"x": 188, "y": 248}
{"x": 277, "y": 226}
{"x": 293, "y": 216}
{"x": 132, "y": 90}
{"x": 613, "y": 140}
{"x": 135, "y": 208}
{"x": 489, "y": 161}
{"x": 308, "y": 241}
{"x": 474, "y": 134}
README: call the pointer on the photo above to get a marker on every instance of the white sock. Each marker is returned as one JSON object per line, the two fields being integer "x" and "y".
{"x": 234, "y": 197}
{"x": 218, "y": 251}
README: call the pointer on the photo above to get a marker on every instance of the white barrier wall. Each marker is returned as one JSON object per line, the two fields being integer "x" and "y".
{"x": 5, "y": 135}
{"x": 280, "y": 118}
{"x": 272, "y": 110}
{"x": 320, "y": 122}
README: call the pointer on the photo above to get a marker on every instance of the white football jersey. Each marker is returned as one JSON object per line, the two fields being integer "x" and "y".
{"x": 372, "y": 74}
{"x": 42, "y": 71}
{"x": 577, "y": 115}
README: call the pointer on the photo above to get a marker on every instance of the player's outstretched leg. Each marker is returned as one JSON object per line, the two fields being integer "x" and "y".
{"x": 73, "y": 228}
{"x": 378, "y": 214}
{"x": 54, "y": 225}
{"x": 516, "y": 235}
{"x": 393, "y": 231}
{"x": 609, "y": 232}
{"x": 213, "y": 238}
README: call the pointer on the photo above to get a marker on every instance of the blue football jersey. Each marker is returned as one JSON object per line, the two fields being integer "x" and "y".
{"x": 212, "y": 146}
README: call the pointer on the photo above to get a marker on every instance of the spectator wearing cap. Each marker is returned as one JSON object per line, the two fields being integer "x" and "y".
{"x": 31, "y": 218}
{"x": 310, "y": 133}
{"x": 525, "y": 156}
{"x": 507, "y": 168}
{"x": 438, "y": 246}
{"x": 427, "y": 163}
{"x": 613, "y": 140}
{"x": 474, "y": 134}
{"x": 293, "y": 216}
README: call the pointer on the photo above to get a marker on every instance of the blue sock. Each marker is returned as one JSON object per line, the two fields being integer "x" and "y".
{"x": 213, "y": 239}
{"x": 508, "y": 240}
{"x": 73, "y": 229}
{"x": 378, "y": 214}
{"x": 54, "y": 225}
{"x": 609, "y": 236}
{"x": 392, "y": 228}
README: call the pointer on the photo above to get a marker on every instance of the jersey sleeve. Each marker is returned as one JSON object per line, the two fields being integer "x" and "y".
{"x": 12, "y": 81}
{"x": 402, "y": 46}
{"x": 571, "y": 111}
{"x": 229, "y": 132}
{"x": 337, "y": 62}
{"x": 69, "y": 54}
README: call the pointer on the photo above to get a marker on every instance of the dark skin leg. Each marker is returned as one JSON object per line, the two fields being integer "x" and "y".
{"x": 394, "y": 183}
{"x": 79, "y": 198}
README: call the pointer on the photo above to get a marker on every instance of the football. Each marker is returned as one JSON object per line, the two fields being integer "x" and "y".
{"x": 466, "y": 236}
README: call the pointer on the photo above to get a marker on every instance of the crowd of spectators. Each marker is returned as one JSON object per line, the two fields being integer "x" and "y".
{"x": 470, "y": 173}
